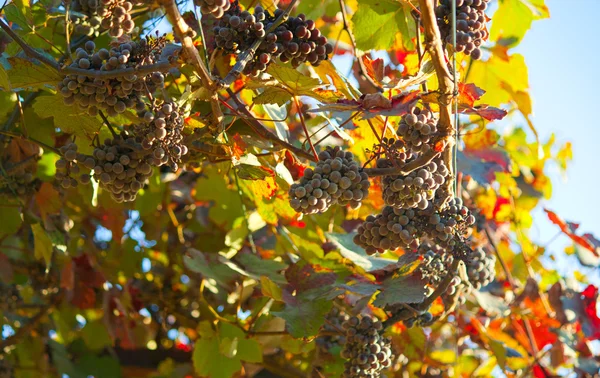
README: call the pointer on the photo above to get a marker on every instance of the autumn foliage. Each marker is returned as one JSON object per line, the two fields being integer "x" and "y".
{"x": 301, "y": 188}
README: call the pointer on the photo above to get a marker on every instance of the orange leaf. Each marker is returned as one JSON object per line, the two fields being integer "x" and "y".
{"x": 569, "y": 228}
{"x": 375, "y": 68}
{"x": 48, "y": 200}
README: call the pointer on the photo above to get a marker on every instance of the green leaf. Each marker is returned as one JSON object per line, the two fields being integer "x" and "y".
{"x": 99, "y": 367}
{"x": 305, "y": 319}
{"x": 270, "y": 268}
{"x": 228, "y": 347}
{"x": 219, "y": 355}
{"x": 198, "y": 262}
{"x": 10, "y": 214}
{"x": 273, "y": 95}
{"x": 15, "y": 14}
{"x": 4, "y": 80}
{"x": 42, "y": 244}
{"x": 293, "y": 79}
{"x": 95, "y": 335}
{"x": 24, "y": 7}
{"x": 27, "y": 74}
{"x": 252, "y": 172}
{"x": 356, "y": 254}
{"x": 514, "y": 17}
{"x": 270, "y": 288}
{"x": 499, "y": 351}
{"x": 376, "y": 23}
{"x": 247, "y": 349}
{"x": 401, "y": 289}
{"x": 71, "y": 120}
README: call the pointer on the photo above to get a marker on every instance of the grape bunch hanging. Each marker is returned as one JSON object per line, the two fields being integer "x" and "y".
{"x": 367, "y": 352}
{"x": 470, "y": 24}
{"x": 417, "y": 130}
{"x": 296, "y": 39}
{"x": 111, "y": 15}
{"x": 336, "y": 179}
{"x": 118, "y": 94}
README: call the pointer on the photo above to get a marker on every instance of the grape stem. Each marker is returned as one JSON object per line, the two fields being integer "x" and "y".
{"x": 405, "y": 169}
{"x": 433, "y": 43}
{"x": 261, "y": 130}
{"x": 246, "y": 56}
{"x": 184, "y": 32}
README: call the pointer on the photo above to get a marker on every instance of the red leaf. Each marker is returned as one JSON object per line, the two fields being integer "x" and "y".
{"x": 489, "y": 113}
{"x": 401, "y": 104}
{"x": 469, "y": 93}
{"x": 307, "y": 276}
{"x": 293, "y": 165}
{"x": 239, "y": 146}
{"x": 375, "y": 68}
{"x": 569, "y": 228}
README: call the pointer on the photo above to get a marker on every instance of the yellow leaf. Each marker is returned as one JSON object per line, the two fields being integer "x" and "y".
{"x": 42, "y": 244}
{"x": 270, "y": 288}
{"x": 514, "y": 17}
{"x": 497, "y": 75}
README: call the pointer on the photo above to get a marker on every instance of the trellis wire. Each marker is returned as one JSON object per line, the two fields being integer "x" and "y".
{"x": 455, "y": 100}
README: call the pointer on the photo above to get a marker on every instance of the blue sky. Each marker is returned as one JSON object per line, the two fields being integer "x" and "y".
{"x": 562, "y": 54}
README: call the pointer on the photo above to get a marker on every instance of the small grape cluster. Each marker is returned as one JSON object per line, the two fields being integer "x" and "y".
{"x": 216, "y": 8}
{"x": 366, "y": 350}
{"x": 480, "y": 268}
{"x": 417, "y": 130}
{"x": 121, "y": 165}
{"x": 415, "y": 190}
{"x": 302, "y": 42}
{"x": 161, "y": 133}
{"x": 392, "y": 229}
{"x": 296, "y": 40}
{"x": 114, "y": 95}
{"x": 111, "y": 15}
{"x": 336, "y": 179}
{"x": 89, "y": 26}
{"x": 448, "y": 226}
{"x": 333, "y": 322}
{"x": 435, "y": 263}
{"x": 19, "y": 183}
{"x": 116, "y": 17}
{"x": 9, "y": 297}
{"x": 470, "y": 24}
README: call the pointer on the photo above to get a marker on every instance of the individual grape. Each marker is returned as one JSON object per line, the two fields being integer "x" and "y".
{"x": 471, "y": 30}
{"x": 336, "y": 179}
{"x": 366, "y": 350}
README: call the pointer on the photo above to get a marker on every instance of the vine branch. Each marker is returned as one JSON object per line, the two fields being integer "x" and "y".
{"x": 184, "y": 32}
{"x": 433, "y": 43}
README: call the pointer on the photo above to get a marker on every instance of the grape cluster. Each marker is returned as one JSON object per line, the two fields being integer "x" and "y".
{"x": 470, "y": 24}
{"x": 435, "y": 263}
{"x": 417, "y": 130}
{"x": 481, "y": 268}
{"x": 20, "y": 183}
{"x": 111, "y": 15}
{"x": 366, "y": 350}
{"x": 161, "y": 133}
{"x": 121, "y": 165}
{"x": 336, "y": 179}
{"x": 333, "y": 323}
{"x": 296, "y": 40}
{"x": 392, "y": 229}
{"x": 89, "y": 26}
{"x": 448, "y": 226}
{"x": 302, "y": 42}
{"x": 117, "y": 94}
{"x": 9, "y": 298}
{"x": 216, "y": 8}
{"x": 416, "y": 189}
